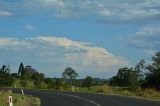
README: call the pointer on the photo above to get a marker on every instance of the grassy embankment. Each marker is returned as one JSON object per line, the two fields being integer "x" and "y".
{"x": 146, "y": 93}
{"x": 18, "y": 99}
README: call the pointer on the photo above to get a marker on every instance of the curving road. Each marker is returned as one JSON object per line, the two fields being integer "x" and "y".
{"x": 56, "y": 98}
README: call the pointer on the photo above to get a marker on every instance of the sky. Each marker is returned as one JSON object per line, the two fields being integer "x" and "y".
{"x": 94, "y": 37}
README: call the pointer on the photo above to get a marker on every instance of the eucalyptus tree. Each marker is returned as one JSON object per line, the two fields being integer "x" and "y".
{"x": 70, "y": 74}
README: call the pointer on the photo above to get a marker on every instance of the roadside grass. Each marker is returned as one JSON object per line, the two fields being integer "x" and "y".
{"x": 144, "y": 93}
{"x": 18, "y": 99}
{"x": 149, "y": 93}
{"x": 105, "y": 89}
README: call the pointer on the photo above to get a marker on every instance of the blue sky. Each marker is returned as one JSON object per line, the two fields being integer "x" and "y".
{"x": 95, "y": 37}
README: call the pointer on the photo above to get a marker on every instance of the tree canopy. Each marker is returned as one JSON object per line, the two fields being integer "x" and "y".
{"x": 70, "y": 74}
{"x": 6, "y": 78}
{"x": 153, "y": 72}
{"x": 87, "y": 82}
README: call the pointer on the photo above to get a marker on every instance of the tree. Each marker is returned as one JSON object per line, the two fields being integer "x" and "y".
{"x": 126, "y": 77}
{"x": 50, "y": 82}
{"x": 23, "y": 83}
{"x": 140, "y": 68}
{"x": 38, "y": 78}
{"x": 21, "y": 69}
{"x": 27, "y": 72}
{"x": 87, "y": 82}
{"x": 70, "y": 74}
{"x": 113, "y": 81}
{"x": 5, "y": 69}
{"x": 15, "y": 75}
{"x": 153, "y": 74}
{"x": 59, "y": 84}
{"x": 6, "y": 78}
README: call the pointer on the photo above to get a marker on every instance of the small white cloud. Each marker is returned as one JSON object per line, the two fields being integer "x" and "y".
{"x": 105, "y": 12}
{"x": 5, "y": 14}
{"x": 29, "y": 27}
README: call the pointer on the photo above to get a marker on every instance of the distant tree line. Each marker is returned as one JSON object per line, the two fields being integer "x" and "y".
{"x": 143, "y": 75}
{"x": 33, "y": 79}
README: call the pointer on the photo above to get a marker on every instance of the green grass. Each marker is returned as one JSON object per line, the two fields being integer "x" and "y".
{"x": 145, "y": 93}
{"x": 18, "y": 99}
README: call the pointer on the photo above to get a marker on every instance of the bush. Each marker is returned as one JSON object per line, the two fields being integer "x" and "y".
{"x": 100, "y": 90}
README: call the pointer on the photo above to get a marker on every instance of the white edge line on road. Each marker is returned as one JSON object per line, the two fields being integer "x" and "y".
{"x": 90, "y": 101}
{"x": 78, "y": 97}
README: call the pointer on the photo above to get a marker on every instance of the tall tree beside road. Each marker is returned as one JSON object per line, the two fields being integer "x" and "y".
{"x": 126, "y": 77}
{"x": 140, "y": 68}
{"x": 153, "y": 74}
{"x": 70, "y": 74}
{"x": 21, "y": 69}
{"x": 6, "y": 78}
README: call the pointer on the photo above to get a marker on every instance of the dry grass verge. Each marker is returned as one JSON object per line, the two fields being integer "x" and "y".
{"x": 18, "y": 99}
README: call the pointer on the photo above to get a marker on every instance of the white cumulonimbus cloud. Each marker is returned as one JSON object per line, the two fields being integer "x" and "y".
{"x": 61, "y": 52}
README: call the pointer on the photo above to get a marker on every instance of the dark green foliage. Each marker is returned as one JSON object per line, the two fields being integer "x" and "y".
{"x": 153, "y": 74}
{"x": 21, "y": 69}
{"x": 23, "y": 83}
{"x": 87, "y": 82}
{"x": 6, "y": 78}
{"x": 26, "y": 76}
{"x": 126, "y": 77}
{"x": 142, "y": 75}
{"x": 113, "y": 81}
{"x": 140, "y": 68}
{"x": 59, "y": 84}
{"x": 5, "y": 69}
{"x": 38, "y": 78}
{"x": 15, "y": 75}
{"x": 27, "y": 73}
{"x": 50, "y": 83}
{"x": 77, "y": 82}
{"x": 70, "y": 74}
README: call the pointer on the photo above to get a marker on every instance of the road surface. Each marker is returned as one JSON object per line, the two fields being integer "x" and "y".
{"x": 55, "y": 98}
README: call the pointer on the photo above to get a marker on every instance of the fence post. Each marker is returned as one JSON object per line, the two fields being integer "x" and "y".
{"x": 10, "y": 101}
{"x": 22, "y": 91}
{"x": 73, "y": 88}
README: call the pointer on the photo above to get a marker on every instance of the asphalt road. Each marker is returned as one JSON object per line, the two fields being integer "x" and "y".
{"x": 56, "y": 98}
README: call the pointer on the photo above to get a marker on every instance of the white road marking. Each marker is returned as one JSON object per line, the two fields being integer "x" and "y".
{"x": 78, "y": 97}
{"x": 90, "y": 101}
